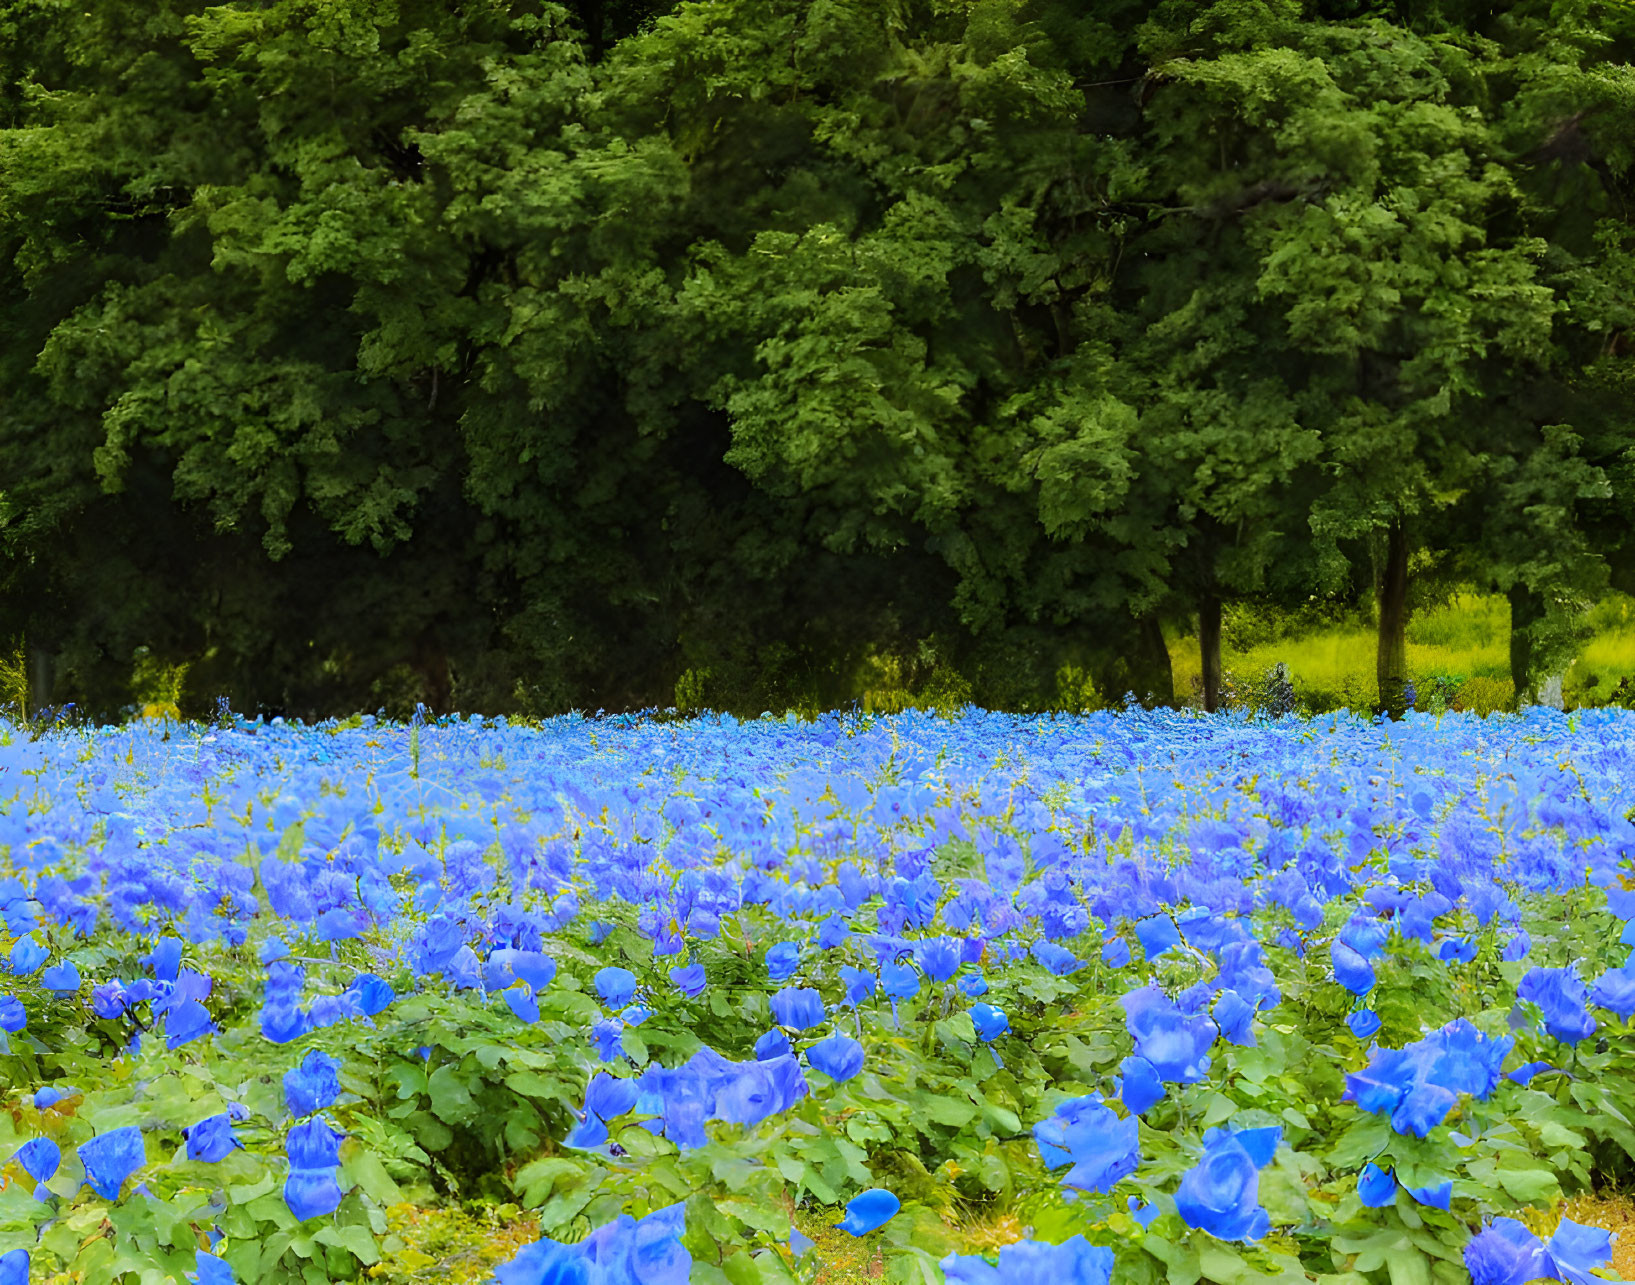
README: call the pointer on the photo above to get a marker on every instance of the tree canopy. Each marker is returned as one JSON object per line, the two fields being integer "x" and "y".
{"x": 541, "y": 355}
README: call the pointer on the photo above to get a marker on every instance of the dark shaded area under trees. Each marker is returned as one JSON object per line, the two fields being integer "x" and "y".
{"x": 536, "y": 356}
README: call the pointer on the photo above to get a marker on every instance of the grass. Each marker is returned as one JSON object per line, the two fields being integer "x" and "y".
{"x": 1467, "y": 638}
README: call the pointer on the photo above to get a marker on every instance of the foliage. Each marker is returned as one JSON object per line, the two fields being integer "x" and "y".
{"x": 530, "y": 356}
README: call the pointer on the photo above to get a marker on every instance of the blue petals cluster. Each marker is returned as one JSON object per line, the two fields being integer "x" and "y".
{"x": 1086, "y": 1133}
{"x": 1221, "y": 1193}
{"x": 312, "y": 1188}
{"x": 1419, "y": 1084}
{"x": 630, "y": 1251}
{"x": 679, "y": 1101}
{"x": 1505, "y": 1252}
{"x": 1031, "y": 1262}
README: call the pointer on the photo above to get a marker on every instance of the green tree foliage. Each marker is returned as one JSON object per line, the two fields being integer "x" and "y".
{"x": 507, "y": 354}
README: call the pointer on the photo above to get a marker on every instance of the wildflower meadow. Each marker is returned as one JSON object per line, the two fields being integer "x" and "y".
{"x": 1188, "y": 998}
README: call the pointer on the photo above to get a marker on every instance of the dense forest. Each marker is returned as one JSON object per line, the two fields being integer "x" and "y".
{"x": 518, "y": 356}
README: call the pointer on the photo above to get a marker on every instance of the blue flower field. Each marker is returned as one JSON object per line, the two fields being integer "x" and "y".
{"x": 1179, "y": 998}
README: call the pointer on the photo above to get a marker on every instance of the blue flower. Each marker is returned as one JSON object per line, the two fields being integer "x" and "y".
{"x": 760, "y": 1090}
{"x": 1031, "y": 1262}
{"x": 108, "y": 1000}
{"x": 782, "y": 960}
{"x": 607, "y": 1035}
{"x": 375, "y": 994}
{"x": 110, "y": 1158}
{"x": 1057, "y": 960}
{"x": 625, "y": 1252}
{"x": 211, "y": 1270}
{"x": 1351, "y": 970}
{"x": 1235, "y": 1017}
{"x": 1174, "y": 1043}
{"x": 1560, "y": 996}
{"x": 39, "y": 1158}
{"x": 1437, "y": 1195}
{"x": 62, "y": 978}
{"x": 973, "y": 985}
{"x": 1376, "y": 1187}
{"x": 212, "y": 1139}
{"x": 869, "y": 1211}
{"x": 689, "y": 980}
{"x": 1221, "y": 1193}
{"x": 165, "y": 959}
{"x": 1157, "y": 934}
{"x": 616, "y": 986}
{"x": 314, "y": 1151}
{"x": 1505, "y": 1253}
{"x": 27, "y": 955}
{"x": 1576, "y": 1251}
{"x": 1396, "y": 1083}
{"x": 1615, "y": 991}
{"x": 313, "y": 1085}
{"x": 610, "y": 1096}
{"x": 14, "y": 1267}
{"x": 1464, "y": 1060}
{"x": 832, "y": 932}
{"x": 1364, "y": 1023}
{"x": 773, "y": 1044}
{"x": 312, "y": 1193}
{"x": 188, "y": 1021}
{"x": 1101, "y": 1147}
{"x": 520, "y": 1000}
{"x": 839, "y": 1057}
{"x": 798, "y": 1008}
{"x": 1142, "y": 1089}
{"x": 607, "y": 1098}
{"x": 1456, "y": 950}
{"x": 860, "y": 984}
{"x": 636, "y": 1014}
{"x": 313, "y": 1145}
{"x": 1418, "y": 1085}
{"x": 990, "y": 1022}
{"x": 900, "y": 981}
{"x": 12, "y": 1016}
{"x": 938, "y": 957}
{"x": 283, "y": 1023}
{"x": 1116, "y": 953}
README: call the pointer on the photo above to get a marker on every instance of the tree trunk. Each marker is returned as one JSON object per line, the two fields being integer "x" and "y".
{"x": 1154, "y": 678}
{"x": 1526, "y": 610}
{"x": 1209, "y": 645}
{"x": 41, "y": 679}
{"x": 1391, "y": 669}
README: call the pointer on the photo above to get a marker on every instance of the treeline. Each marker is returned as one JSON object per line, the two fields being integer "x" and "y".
{"x": 524, "y": 355}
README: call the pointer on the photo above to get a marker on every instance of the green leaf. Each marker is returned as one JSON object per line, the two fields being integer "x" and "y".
{"x": 948, "y": 1110}
{"x": 364, "y": 1169}
{"x": 355, "y": 1239}
{"x": 1408, "y": 1267}
{"x": 1221, "y": 1264}
{"x": 451, "y": 1099}
{"x": 1529, "y": 1186}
